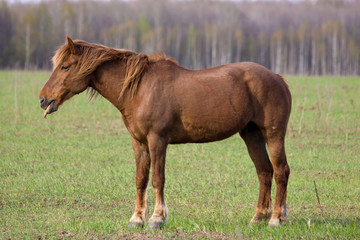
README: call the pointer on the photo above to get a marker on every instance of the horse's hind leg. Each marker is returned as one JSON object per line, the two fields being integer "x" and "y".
{"x": 281, "y": 174}
{"x": 255, "y": 143}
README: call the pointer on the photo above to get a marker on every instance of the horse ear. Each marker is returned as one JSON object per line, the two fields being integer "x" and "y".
{"x": 71, "y": 45}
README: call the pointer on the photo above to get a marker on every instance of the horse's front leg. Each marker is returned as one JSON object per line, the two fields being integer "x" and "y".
{"x": 142, "y": 177}
{"x": 157, "y": 148}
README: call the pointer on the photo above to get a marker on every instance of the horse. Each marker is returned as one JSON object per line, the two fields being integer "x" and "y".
{"x": 162, "y": 103}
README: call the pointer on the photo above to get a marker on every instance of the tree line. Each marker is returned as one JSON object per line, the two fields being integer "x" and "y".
{"x": 308, "y": 37}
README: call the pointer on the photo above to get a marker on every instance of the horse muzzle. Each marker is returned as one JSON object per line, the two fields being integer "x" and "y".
{"x": 48, "y": 105}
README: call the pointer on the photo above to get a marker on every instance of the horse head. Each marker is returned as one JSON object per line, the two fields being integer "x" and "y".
{"x": 65, "y": 80}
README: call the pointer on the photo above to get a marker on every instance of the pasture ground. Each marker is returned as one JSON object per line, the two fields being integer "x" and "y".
{"x": 72, "y": 175}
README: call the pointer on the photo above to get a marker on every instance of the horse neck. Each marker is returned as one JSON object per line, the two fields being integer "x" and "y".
{"x": 108, "y": 81}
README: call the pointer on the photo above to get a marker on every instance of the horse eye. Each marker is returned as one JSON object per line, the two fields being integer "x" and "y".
{"x": 64, "y": 68}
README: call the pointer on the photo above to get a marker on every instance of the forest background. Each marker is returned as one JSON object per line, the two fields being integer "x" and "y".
{"x": 320, "y": 37}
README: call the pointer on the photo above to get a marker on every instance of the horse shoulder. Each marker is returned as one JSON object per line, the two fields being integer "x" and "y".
{"x": 153, "y": 101}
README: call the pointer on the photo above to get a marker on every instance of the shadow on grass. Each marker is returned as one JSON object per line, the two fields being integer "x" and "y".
{"x": 325, "y": 221}
{"x": 304, "y": 228}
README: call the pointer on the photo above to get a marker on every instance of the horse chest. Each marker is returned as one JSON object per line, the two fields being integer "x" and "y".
{"x": 133, "y": 127}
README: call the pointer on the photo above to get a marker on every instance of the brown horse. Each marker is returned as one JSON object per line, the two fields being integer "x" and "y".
{"x": 162, "y": 103}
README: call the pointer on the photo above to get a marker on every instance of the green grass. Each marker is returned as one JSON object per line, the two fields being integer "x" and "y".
{"x": 72, "y": 175}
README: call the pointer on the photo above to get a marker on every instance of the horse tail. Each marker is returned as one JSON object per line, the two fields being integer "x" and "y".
{"x": 282, "y": 78}
{"x": 287, "y": 89}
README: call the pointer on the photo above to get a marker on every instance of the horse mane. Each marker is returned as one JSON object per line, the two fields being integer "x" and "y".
{"x": 91, "y": 56}
{"x": 136, "y": 65}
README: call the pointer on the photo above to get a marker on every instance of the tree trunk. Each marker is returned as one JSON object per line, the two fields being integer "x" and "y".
{"x": 334, "y": 54}
{"x": 27, "y": 46}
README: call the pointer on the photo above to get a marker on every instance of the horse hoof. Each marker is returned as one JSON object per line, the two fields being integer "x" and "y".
{"x": 274, "y": 222}
{"x": 133, "y": 225}
{"x": 155, "y": 225}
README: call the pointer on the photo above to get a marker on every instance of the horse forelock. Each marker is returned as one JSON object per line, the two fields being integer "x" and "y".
{"x": 60, "y": 56}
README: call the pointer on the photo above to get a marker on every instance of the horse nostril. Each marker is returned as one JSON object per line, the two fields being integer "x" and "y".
{"x": 42, "y": 100}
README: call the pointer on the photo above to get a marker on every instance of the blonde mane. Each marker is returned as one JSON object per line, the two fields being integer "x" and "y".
{"x": 91, "y": 56}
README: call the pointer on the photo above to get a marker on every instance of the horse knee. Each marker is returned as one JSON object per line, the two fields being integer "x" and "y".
{"x": 266, "y": 177}
{"x": 158, "y": 182}
{"x": 282, "y": 174}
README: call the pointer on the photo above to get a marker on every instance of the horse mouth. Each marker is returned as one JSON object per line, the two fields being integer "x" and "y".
{"x": 50, "y": 108}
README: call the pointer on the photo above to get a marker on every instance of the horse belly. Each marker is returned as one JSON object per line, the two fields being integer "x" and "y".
{"x": 213, "y": 122}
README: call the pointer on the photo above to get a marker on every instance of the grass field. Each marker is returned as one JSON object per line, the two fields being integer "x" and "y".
{"x": 72, "y": 175}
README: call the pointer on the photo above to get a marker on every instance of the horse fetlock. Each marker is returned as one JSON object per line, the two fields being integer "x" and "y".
{"x": 261, "y": 214}
{"x": 265, "y": 213}
{"x": 136, "y": 222}
{"x": 284, "y": 214}
{"x": 159, "y": 218}
{"x": 274, "y": 222}
{"x": 161, "y": 211}
{"x": 277, "y": 219}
